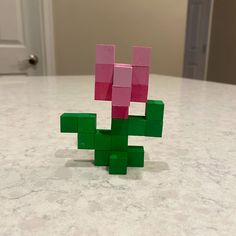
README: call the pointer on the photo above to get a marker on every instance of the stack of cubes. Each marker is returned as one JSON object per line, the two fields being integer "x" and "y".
{"x": 120, "y": 84}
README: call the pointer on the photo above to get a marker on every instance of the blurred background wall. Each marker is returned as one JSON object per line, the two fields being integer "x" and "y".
{"x": 80, "y": 25}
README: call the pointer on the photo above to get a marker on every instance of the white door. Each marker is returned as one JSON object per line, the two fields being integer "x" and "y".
{"x": 20, "y": 37}
{"x": 197, "y": 38}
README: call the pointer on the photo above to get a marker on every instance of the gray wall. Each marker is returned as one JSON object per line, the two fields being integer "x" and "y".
{"x": 222, "y": 58}
{"x": 80, "y": 24}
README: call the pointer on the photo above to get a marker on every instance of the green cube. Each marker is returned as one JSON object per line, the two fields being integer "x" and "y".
{"x": 119, "y": 126}
{"x": 154, "y": 128}
{"x": 87, "y": 123}
{"x": 118, "y": 163}
{"x": 102, "y": 157}
{"x": 69, "y": 122}
{"x": 86, "y": 141}
{"x": 137, "y": 125}
{"x": 103, "y": 140}
{"x": 135, "y": 156}
{"x": 119, "y": 143}
{"x": 154, "y": 110}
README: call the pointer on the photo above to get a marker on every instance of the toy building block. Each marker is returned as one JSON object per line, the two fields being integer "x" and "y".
{"x": 137, "y": 125}
{"x": 121, "y": 96}
{"x": 69, "y": 122}
{"x": 119, "y": 127}
{"x": 102, "y": 157}
{"x": 118, "y": 163}
{"x": 154, "y": 110}
{"x": 104, "y": 73}
{"x": 103, "y": 91}
{"x": 120, "y": 112}
{"x": 103, "y": 140}
{"x": 120, "y": 84}
{"x": 135, "y": 156}
{"x": 86, "y": 141}
{"x": 122, "y": 75}
{"x": 140, "y": 75}
{"x": 141, "y": 56}
{"x": 105, "y": 54}
{"x": 139, "y": 93}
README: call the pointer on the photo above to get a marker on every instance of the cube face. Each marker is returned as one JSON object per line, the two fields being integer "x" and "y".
{"x": 118, "y": 163}
{"x": 141, "y": 56}
{"x": 135, "y": 156}
{"x": 122, "y": 76}
{"x": 139, "y": 93}
{"x": 104, "y": 73}
{"x": 137, "y": 125}
{"x": 86, "y": 141}
{"x": 120, "y": 112}
{"x": 154, "y": 110}
{"x": 140, "y": 75}
{"x": 103, "y": 91}
{"x": 154, "y": 128}
{"x": 119, "y": 142}
{"x": 69, "y": 123}
{"x": 105, "y": 54}
{"x": 102, "y": 157}
{"x": 87, "y": 123}
{"x": 121, "y": 96}
{"x": 103, "y": 140}
{"x": 119, "y": 127}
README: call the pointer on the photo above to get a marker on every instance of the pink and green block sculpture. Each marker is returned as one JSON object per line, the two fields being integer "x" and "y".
{"x": 120, "y": 84}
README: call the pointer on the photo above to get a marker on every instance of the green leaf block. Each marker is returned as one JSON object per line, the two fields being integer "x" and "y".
{"x": 103, "y": 140}
{"x": 137, "y": 125}
{"x": 69, "y": 122}
{"x": 87, "y": 122}
{"x": 135, "y": 156}
{"x": 86, "y": 141}
{"x": 118, "y": 163}
{"x": 154, "y": 128}
{"x": 154, "y": 110}
{"x": 102, "y": 157}
{"x": 119, "y": 143}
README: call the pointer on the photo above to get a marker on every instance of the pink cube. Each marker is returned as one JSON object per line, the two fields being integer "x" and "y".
{"x": 104, "y": 73}
{"x": 121, "y": 96}
{"x": 141, "y": 56}
{"x": 139, "y": 93}
{"x": 122, "y": 75}
{"x": 103, "y": 91}
{"x": 120, "y": 112}
{"x": 105, "y": 54}
{"x": 140, "y": 75}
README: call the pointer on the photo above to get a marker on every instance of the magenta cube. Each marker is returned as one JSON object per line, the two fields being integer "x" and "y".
{"x": 122, "y": 75}
{"x": 139, "y": 93}
{"x": 141, "y": 56}
{"x": 104, "y": 73}
{"x": 103, "y": 91}
{"x": 121, "y": 96}
{"x": 120, "y": 112}
{"x": 105, "y": 54}
{"x": 140, "y": 75}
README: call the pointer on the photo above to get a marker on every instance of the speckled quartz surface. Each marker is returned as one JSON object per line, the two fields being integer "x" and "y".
{"x": 47, "y": 187}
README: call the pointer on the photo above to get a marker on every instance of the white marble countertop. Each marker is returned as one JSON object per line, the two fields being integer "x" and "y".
{"x": 48, "y": 187}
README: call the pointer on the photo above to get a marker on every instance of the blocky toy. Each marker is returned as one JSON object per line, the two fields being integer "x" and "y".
{"x": 120, "y": 84}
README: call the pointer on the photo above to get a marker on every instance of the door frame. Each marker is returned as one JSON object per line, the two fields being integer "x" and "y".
{"x": 208, "y": 39}
{"x": 47, "y": 37}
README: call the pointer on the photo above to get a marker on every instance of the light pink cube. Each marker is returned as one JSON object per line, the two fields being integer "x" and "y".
{"x": 104, "y": 73}
{"x": 121, "y": 96}
{"x": 122, "y": 75}
{"x": 120, "y": 112}
{"x": 139, "y": 93}
{"x": 105, "y": 54}
{"x": 141, "y": 56}
{"x": 140, "y": 75}
{"x": 103, "y": 91}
